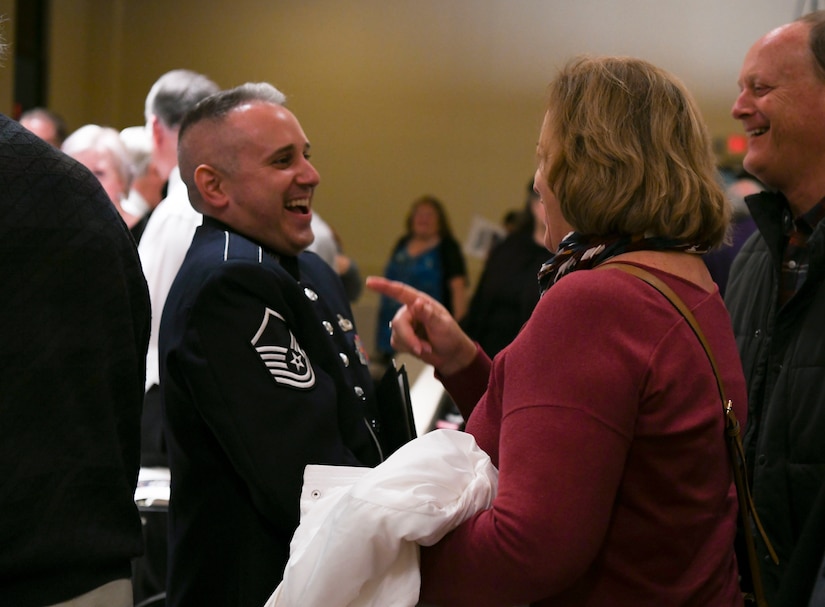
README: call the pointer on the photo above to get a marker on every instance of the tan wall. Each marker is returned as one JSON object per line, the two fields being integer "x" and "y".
{"x": 398, "y": 97}
{"x": 86, "y": 61}
{"x": 7, "y": 65}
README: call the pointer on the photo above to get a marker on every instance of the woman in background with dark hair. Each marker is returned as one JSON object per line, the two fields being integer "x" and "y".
{"x": 426, "y": 257}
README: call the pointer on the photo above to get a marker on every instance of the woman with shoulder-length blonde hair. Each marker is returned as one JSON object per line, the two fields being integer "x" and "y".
{"x": 627, "y": 168}
{"x": 603, "y": 415}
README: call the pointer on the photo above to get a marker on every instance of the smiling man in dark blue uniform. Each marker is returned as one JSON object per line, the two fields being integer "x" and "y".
{"x": 261, "y": 366}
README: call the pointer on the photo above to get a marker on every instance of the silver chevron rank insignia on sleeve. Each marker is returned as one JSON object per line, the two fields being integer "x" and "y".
{"x": 280, "y": 352}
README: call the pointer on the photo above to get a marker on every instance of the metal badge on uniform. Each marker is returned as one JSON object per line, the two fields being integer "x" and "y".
{"x": 345, "y": 323}
{"x": 280, "y": 352}
{"x": 311, "y": 295}
{"x": 362, "y": 351}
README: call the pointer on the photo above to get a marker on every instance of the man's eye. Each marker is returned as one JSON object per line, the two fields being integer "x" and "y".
{"x": 282, "y": 160}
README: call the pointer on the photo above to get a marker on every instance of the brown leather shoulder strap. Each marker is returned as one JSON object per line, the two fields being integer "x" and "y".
{"x": 677, "y": 303}
{"x": 735, "y": 449}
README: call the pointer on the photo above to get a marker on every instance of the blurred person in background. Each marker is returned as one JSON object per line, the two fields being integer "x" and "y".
{"x": 166, "y": 237}
{"x": 147, "y": 185}
{"x": 508, "y": 289}
{"x": 327, "y": 245}
{"x": 103, "y": 153}
{"x": 169, "y": 229}
{"x": 47, "y": 125}
{"x": 742, "y": 226}
{"x": 429, "y": 258}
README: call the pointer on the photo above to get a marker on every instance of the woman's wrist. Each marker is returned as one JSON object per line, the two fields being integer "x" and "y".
{"x": 462, "y": 358}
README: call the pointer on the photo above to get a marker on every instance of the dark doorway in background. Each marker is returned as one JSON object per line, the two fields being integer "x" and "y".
{"x": 31, "y": 67}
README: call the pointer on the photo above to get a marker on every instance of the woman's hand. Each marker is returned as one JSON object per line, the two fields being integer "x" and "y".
{"x": 423, "y": 327}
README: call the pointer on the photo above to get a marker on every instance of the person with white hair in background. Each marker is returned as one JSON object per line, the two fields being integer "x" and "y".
{"x": 146, "y": 189}
{"x": 168, "y": 231}
{"x": 162, "y": 247}
{"x": 100, "y": 149}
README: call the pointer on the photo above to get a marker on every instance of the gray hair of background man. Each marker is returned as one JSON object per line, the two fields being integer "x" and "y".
{"x": 215, "y": 108}
{"x": 175, "y": 93}
{"x": 816, "y": 38}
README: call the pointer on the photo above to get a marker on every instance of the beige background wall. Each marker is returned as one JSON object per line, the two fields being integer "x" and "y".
{"x": 399, "y": 97}
{"x": 7, "y": 10}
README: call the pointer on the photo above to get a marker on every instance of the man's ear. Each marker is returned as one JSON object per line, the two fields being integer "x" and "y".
{"x": 157, "y": 132}
{"x": 209, "y": 182}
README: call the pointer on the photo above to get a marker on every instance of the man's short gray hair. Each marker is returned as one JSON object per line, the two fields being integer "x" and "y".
{"x": 175, "y": 93}
{"x": 217, "y": 106}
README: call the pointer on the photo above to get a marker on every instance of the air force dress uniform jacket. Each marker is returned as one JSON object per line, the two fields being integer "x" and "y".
{"x": 262, "y": 373}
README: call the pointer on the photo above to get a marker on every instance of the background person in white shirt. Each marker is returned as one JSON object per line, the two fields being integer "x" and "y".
{"x": 169, "y": 230}
{"x": 163, "y": 245}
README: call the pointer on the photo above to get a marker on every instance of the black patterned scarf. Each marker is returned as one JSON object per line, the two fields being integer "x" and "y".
{"x": 580, "y": 252}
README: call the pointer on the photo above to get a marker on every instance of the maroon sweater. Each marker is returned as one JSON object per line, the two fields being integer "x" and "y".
{"x": 605, "y": 422}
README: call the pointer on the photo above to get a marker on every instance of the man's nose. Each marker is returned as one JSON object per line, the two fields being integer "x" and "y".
{"x": 741, "y": 106}
{"x": 309, "y": 174}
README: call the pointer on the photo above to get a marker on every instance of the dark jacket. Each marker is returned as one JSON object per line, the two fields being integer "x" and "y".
{"x": 507, "y": 292}
{"x": 262, "y": 373}
{"x": 783, "y": 355}
{"x": 74, "y": 329}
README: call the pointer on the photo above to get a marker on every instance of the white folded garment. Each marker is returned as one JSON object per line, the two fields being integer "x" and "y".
{"x": 357, "y": 543}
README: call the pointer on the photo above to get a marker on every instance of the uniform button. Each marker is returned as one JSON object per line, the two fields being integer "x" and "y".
{"x": 761, "y": 460}
{"x": 758, "y": 333}
{"x": 315, "y": 494}
{"x": 311, "y": 295}
{"x": 359, "y": 392}
{"x": 792, "y": 264}
{"x": 328, "y": 326}
{"x": 344, "y": 359}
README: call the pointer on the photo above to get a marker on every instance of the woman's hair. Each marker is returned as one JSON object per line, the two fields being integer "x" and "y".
{"x": 444, "y": 229}
{"x": 102, "y": 139}
{"x": 138, "y": 143}
{"x": 625, "y": 152}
